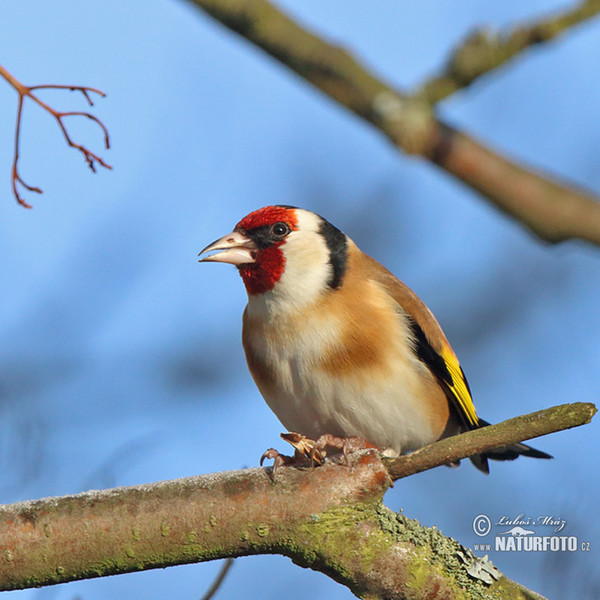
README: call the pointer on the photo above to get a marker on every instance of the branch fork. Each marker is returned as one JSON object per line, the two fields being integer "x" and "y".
{"x": 91, "y": 158}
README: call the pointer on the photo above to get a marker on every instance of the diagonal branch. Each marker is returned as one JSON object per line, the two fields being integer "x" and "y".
{"x": 485, "y": 50}
{"x": 511, "y": 431}
{"x": 23, "y": 92}
{"x": 553, "y": 210}
{"x": 330, "y": 519}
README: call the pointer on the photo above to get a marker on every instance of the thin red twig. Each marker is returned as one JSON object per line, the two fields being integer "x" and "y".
{"x": 24, "y": 91}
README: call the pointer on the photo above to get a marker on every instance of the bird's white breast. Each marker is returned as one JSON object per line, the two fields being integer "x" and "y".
{"x": 380, "y": 401}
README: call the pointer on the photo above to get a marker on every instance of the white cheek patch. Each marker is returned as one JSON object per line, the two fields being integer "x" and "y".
{"x": 306, "y": 274}
{"x": 307, "y": 267}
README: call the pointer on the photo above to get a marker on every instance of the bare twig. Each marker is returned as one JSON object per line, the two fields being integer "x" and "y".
{"x": 553, "y": 210}
{"x": 485, "y": 50}
{"x": 214, "y": 588}
{"x": 512, "y": 431}
{"x": 23, "y": 92}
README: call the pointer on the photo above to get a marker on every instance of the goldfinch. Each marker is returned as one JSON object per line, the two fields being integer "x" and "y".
{"x": 338, "y": 346}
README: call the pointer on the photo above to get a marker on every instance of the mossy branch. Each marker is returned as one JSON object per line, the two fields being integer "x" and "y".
{"x": 330, "y": 519}
{"x": 553, "y": 210}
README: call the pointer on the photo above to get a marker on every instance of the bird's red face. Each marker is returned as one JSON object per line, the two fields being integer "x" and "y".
{"x": 256, "y": 247}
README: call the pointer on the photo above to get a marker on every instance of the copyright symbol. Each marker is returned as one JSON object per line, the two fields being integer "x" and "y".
{"x": 482, "y": 525}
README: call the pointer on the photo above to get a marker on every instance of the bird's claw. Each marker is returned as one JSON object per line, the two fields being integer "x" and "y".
{"x": 269, "y": 454}
{"x": 277, "y": 458}
{"x": 304, "y": 453}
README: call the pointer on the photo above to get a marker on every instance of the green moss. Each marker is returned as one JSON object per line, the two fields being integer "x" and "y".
{"x": 418, "y": 576}
{"x": 323, "y": 542}
{"x": 432, "y": 548}
{"x": 335, "y": 543}
{"x": 192, "y": 537}
{"x": 262, "y": 529}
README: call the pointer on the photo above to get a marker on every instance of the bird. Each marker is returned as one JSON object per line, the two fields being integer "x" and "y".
{"x": 339, "y": 347}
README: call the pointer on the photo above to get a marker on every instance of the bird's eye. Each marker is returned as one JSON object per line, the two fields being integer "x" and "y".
{"x": 280, "y": 229}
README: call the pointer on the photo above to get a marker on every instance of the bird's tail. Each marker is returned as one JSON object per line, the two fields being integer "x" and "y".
{"x": 505, "y": 453}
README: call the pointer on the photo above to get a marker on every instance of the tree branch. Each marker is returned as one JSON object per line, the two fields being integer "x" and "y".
{"x": 552, "y": 210}
{"x": 27, "y": 92}
{"x": 485, "y": 50}
{"x": 330, "y": 519}
{"x": 512, "y": 431}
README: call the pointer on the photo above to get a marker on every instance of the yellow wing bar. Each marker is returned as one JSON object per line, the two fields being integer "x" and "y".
{"x": 459, "y": 386}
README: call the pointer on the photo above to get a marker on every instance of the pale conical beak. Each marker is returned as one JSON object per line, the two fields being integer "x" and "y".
{"x": 235, "y": 248}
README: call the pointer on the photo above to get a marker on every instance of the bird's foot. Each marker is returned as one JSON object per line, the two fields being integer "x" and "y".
{"x": 311, "y": 452}
{"x": 347, "y": 445}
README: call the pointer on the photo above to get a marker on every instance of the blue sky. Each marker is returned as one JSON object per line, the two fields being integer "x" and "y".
{"x": 121, "y": 360}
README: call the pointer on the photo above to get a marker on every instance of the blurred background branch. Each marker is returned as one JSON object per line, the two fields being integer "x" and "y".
{"x": 553, "y": 210}
{"x": 485, "y": 50}
{"x": 218, "y": 582}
